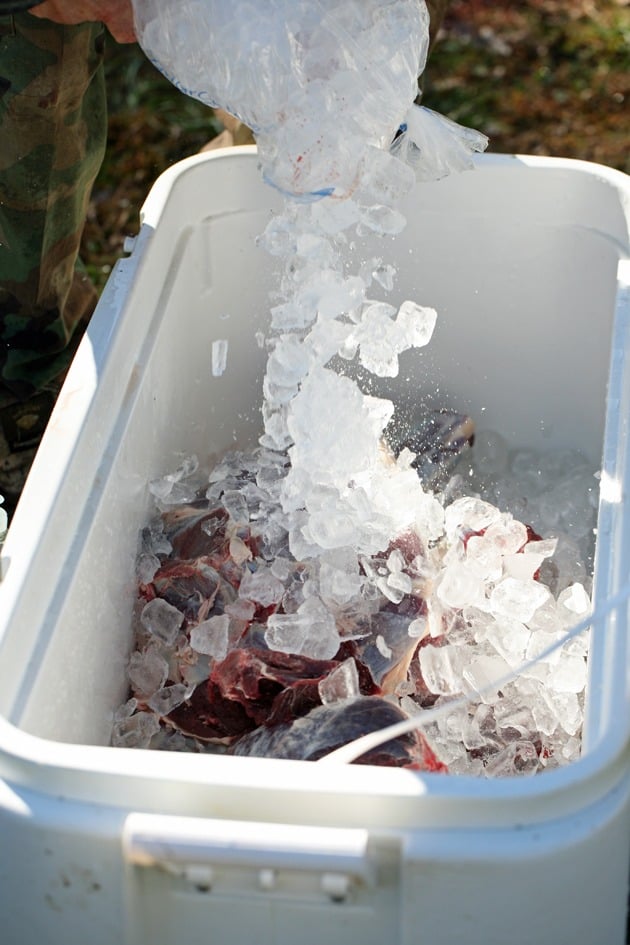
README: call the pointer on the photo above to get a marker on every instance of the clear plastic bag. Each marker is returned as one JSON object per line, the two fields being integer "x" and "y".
{"x": 321, "y": 83}
{"x": 434, "y": 146}
{"x": 318, "y": 81}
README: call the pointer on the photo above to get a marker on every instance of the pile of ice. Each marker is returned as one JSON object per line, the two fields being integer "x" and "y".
{"x": 486, "y": 580}
{"x": 555, "y": 492}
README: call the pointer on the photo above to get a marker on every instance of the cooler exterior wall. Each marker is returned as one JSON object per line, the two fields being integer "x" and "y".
{"x": 66, "y": 879}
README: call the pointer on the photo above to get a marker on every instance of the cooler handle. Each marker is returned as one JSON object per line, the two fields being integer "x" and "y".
{"x": 185, "y": 844}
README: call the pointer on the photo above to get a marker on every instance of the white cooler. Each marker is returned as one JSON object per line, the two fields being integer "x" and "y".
{"x": 526, "y": 261}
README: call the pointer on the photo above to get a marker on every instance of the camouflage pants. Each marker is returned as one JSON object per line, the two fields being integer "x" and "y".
{"x": 53, "y": 128}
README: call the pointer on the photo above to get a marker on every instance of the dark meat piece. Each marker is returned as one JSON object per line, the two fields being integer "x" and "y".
{"x": 328, "y": 727}
{"x": 194, "y": 587}
{"x": 197, "y": 531}
{"x": 438, "y": 440}
{"x": 251, "y": 687}
{"x": 387, "y": 649}
{"x": 207, "y": 721}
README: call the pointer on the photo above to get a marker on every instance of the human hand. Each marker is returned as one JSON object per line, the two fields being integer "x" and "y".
{"x": 117, "y": 15}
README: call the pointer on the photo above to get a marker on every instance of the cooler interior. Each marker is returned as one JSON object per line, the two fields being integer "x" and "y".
{"x": 520, "y": 260}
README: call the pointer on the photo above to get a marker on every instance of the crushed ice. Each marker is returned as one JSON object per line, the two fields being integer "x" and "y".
{"x": 325, "y": 547}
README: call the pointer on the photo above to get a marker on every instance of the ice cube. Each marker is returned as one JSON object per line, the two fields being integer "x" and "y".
{"x": 460, "y": 586}
{"x": 314, "y": 246}
{"x": 517, "y": 599}
{"x": 147, "y": 671}
{"x": 180, "y": 493}
{"x": 399, "y": 582}
{"x": 469, "y": 514}
{"x": 195, "y": 670}
{"x": 126, "y": 710}
{"x": 523, "y": 567}
{"x": 415, "y": 324}
{"x": 541, "y": 641}
{"x": 211, "y": 636}
{"x": 477, "y": 729}
{"x": 566, "y": 708}
{"x": 483, "y": 675}
{"x": 170, "y": 740}
{"x": 384, "y": 275}
{"x": 261, "y": 587}
{"x": 569, "y": 674}
{"x": 339, "y": 578}
{"x": 162, "y": 488}
{"x": 154, "y": 540}
{"x": 506, "y": 536}
{"x": 547, "y": 618}
{"x": 136, "y": 731}
{"x": 241, "y": 609}
{"x": 288, "y": 362}
{"x": 545, "y": 715}
{"x": 146, "y": 567}
{"x": 382, "y": 335}
{"x": 385, "y": 177}
{"x": 235, "y": 505}
{"x": 310, "y": 631}
{"x": 441, "y": 668}
{"x": 546, "y": 547}
{"x": 161, "y": 620}
{"x": 575, "y": 600}
{"x": 278, "y": 237}
{"x": 342, "y": 683}
{"x": 380, "y": 219}
{"x": 512, "y": 716}
{"x": 571, "y": 749}
{"x": 168, "y": 698}
{"x": 219, "y": 357}
{"x": 510, "y": 639}
{"x": 517, "y": 758}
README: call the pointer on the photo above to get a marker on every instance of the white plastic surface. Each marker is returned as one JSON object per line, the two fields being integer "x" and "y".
{"x": 526, "y": 261}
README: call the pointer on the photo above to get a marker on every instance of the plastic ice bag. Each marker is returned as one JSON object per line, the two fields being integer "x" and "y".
{"x": 435, "y": 146}
{"x": 318, "y": 81}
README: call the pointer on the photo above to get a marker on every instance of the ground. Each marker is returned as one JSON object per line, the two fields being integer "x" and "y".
{"x": 549, "y": 77}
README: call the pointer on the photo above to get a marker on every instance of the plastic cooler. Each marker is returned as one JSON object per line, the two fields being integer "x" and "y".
{"x": 526, "y": 261}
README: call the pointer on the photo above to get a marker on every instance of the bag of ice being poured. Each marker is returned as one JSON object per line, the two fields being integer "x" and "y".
{"x": 318, "y": 81}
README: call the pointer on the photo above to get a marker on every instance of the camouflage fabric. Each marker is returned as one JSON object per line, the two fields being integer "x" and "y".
{"x": 53, "y": 126}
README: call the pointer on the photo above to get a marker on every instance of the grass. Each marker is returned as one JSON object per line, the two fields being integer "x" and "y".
{"x": 539, "y": 77}
{"x": 549, "y": 77}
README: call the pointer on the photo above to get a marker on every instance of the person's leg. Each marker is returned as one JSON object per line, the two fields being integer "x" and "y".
{"x": 53, "y": 128}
